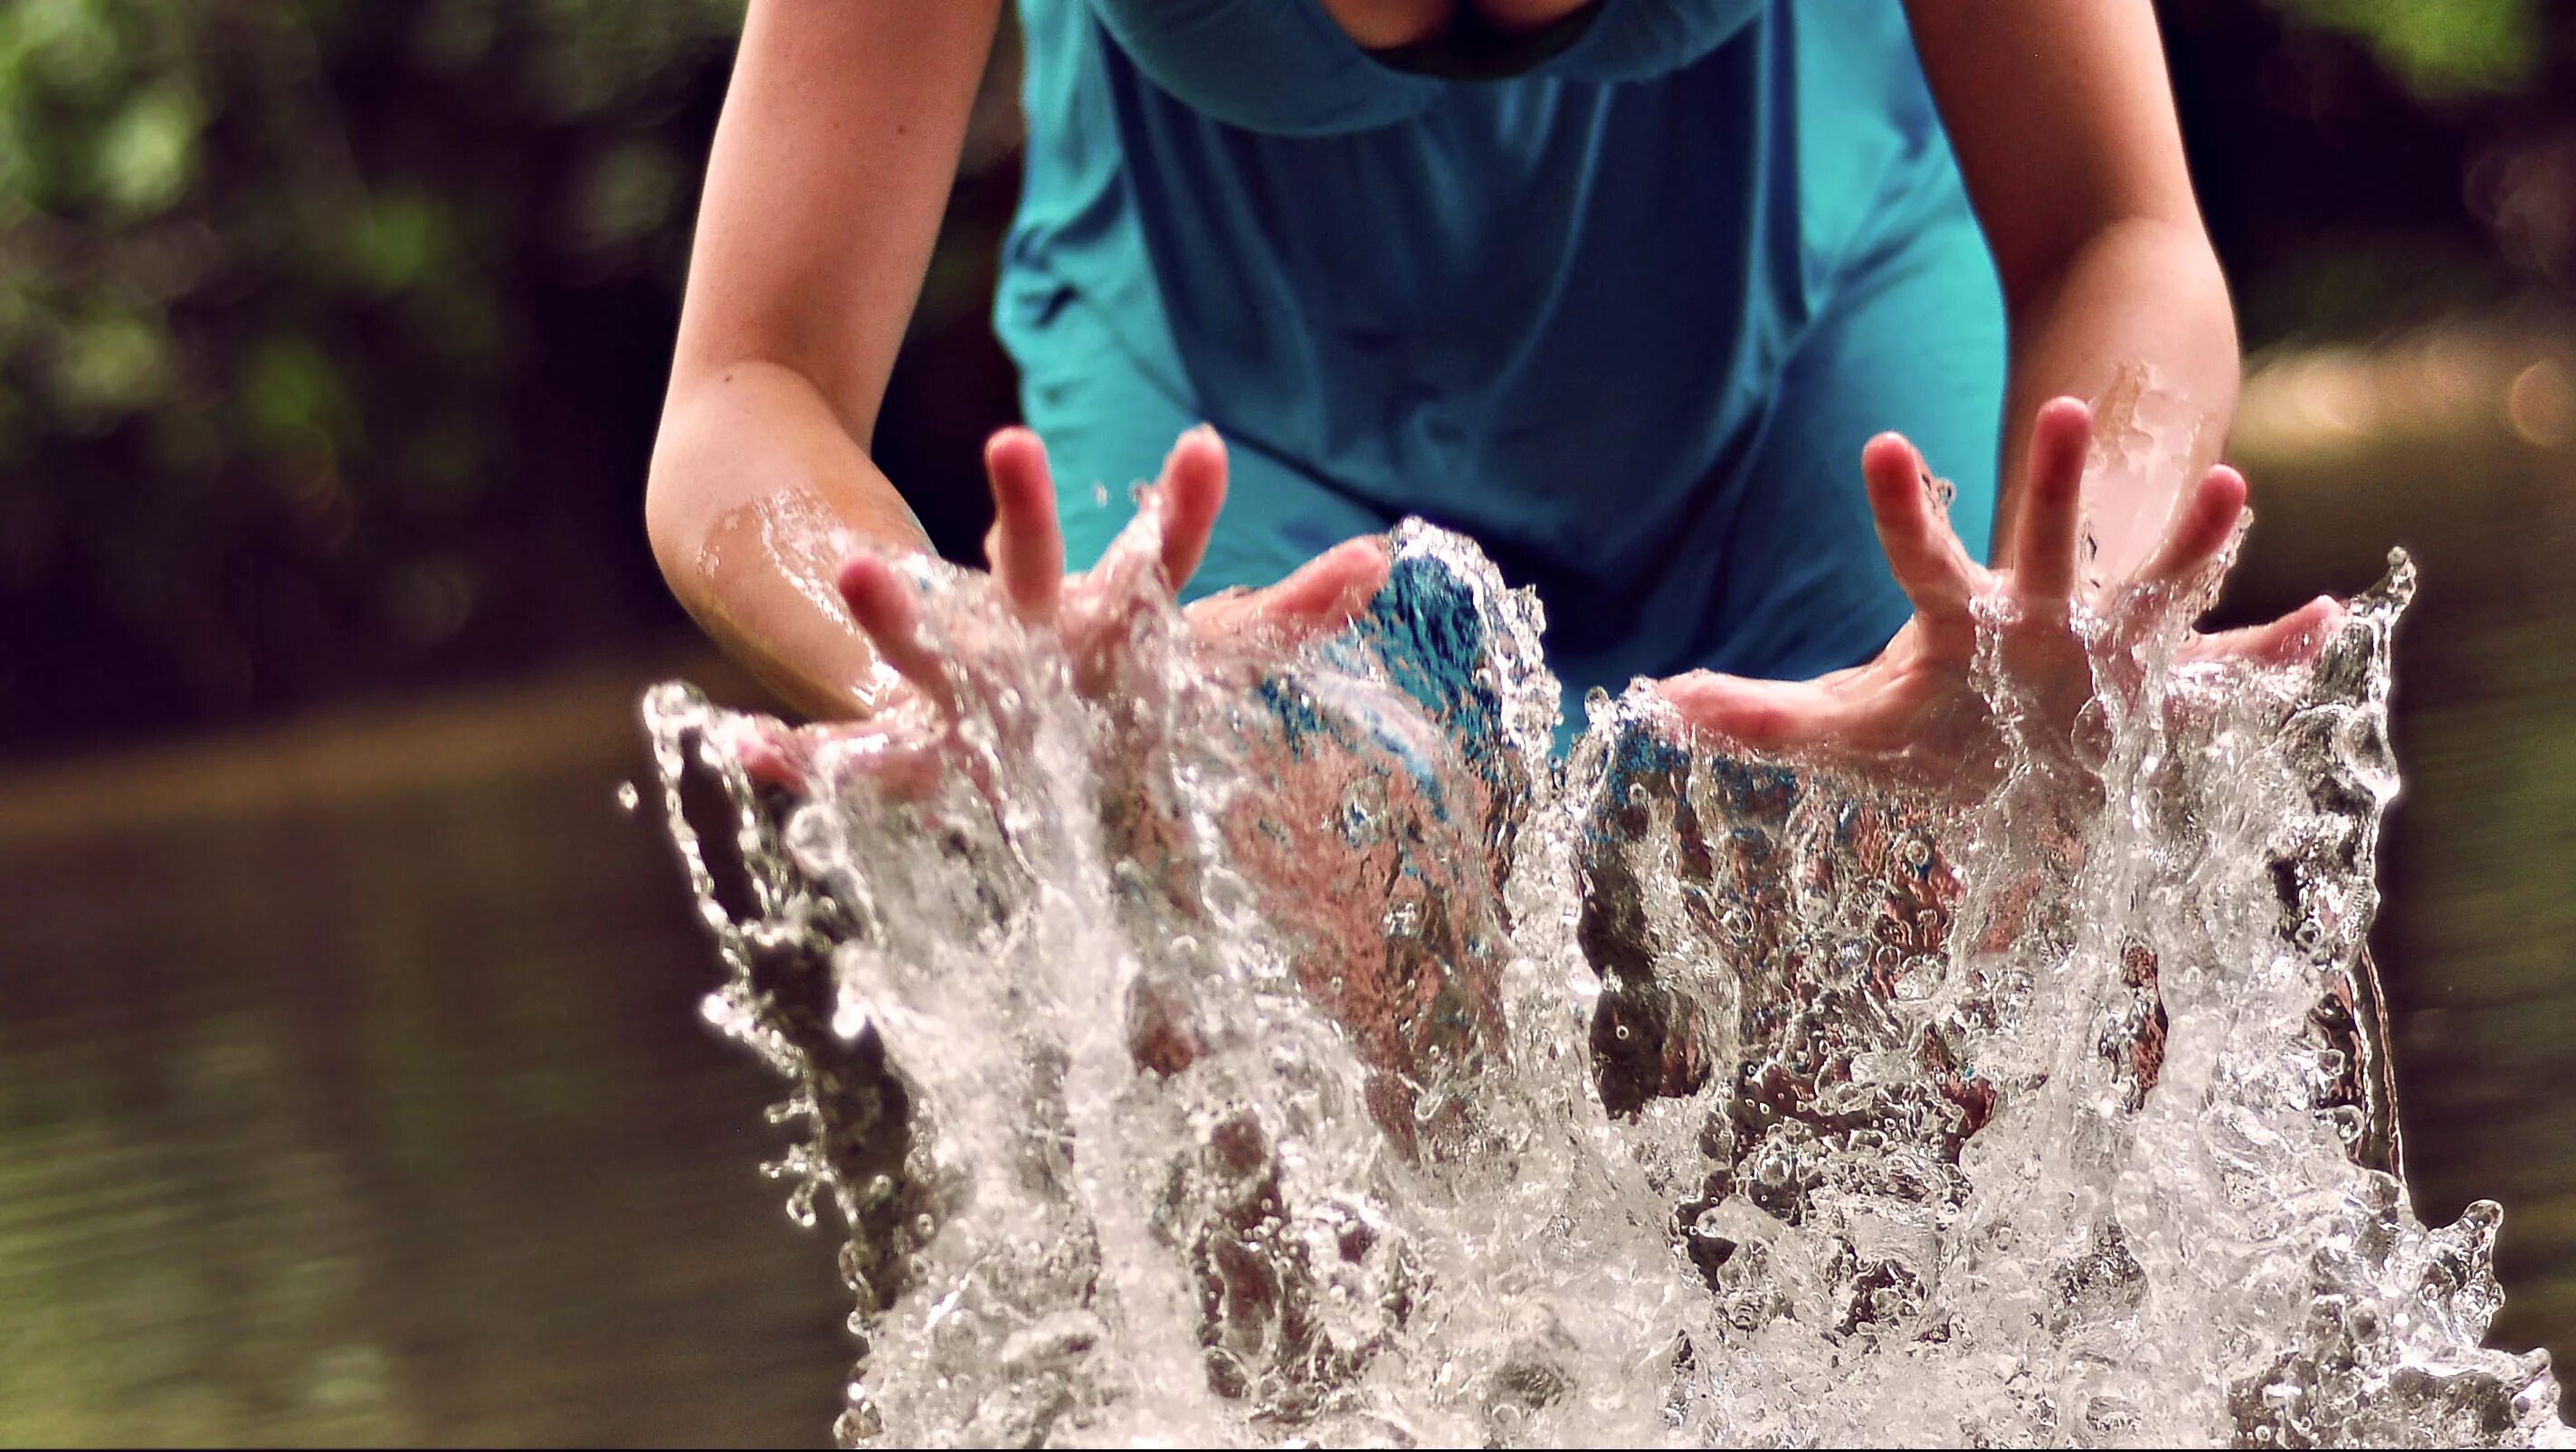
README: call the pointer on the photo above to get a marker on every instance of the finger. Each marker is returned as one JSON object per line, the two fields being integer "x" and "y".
{"x": 2294, "y": 639}
{"x": 2201, "y": 530}
{"x": 775, "y": 757}
{"x": 889, "y": 610}
{"x": 1324, "y": 595}
{"x": 901, "y": 769}
{"x": 778, "y": 757}
{"x": 1763, "y": 715}
{"x": 2052, "y": 502}
{"x": 1923, "y": 552}
{"x": 1026, "y": 544}
{"x": 1189, "y": 494}
{"x": 1334, "y": 586}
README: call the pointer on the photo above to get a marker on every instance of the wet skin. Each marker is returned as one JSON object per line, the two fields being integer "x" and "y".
{"x": 1913, "y": 709}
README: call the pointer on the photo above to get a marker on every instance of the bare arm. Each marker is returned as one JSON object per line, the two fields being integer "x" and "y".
{"x": 2065, "y": 130}
{"x": 830, "y": 169}
{"x": 2063, "y": 121}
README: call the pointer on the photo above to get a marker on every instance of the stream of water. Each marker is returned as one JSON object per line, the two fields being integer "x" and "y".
{"x": 1242, "y": 1044}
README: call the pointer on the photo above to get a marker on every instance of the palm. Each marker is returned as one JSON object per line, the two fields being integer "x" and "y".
{"x": 1916, "y": 705}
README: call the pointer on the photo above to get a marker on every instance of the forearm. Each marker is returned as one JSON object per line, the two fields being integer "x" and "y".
{"x": 840, "y": 136}
{"x": 757, "y": 494}
{"x": 2139, "y": 301}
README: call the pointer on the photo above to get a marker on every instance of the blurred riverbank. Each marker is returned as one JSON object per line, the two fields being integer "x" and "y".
{"x": 2459, "y": 444}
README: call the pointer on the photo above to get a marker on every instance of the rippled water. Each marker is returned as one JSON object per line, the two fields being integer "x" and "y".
{"x": 1242, "y": 1045}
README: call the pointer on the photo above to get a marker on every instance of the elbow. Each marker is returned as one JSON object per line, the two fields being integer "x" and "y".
{"x": 673, "y": 501}
{"x": 2171, "y": 255}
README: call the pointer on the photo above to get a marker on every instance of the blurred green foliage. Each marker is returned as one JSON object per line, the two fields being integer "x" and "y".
{"x": 156, "y": 155}
{"x": 266, "y": 277}
{"x": 2440, "y": 48}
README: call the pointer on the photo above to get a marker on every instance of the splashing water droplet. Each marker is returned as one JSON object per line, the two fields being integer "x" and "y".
{"x": 1264, "y": 1045}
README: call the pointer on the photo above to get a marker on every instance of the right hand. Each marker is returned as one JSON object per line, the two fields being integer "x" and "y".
{"x": 1917, "y": 711}
{"x": 1025, "y": 552}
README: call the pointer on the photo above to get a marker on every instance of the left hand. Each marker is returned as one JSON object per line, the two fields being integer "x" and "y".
{"x": 1915, "y": 709}
{"x": 906, "y": 739}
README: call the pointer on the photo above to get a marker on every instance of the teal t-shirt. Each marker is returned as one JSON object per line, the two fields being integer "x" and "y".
{"x": 1622, "y": 306}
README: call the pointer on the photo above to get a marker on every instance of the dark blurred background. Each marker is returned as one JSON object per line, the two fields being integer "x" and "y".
{"x": 351, "y": 1085}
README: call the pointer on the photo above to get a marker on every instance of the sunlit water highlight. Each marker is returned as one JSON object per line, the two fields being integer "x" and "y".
{"x": 1246, "y": 1046}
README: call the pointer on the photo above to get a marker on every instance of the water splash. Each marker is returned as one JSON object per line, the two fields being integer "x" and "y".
{"x": 1251, "y": 1045}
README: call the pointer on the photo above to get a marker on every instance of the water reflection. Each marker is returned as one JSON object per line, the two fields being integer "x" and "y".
{"x": 352, "y": 1091}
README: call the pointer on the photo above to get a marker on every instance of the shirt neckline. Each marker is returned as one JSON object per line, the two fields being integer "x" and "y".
{"x": 1474, "y": 50}
{"x": 1510, "y": 56}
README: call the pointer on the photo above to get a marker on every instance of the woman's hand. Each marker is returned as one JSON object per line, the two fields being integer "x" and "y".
{"x": 1915, "y": 708}
{"x": 1025, "y": 553}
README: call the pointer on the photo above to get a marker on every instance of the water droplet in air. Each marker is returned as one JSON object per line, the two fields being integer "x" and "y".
{"x": 1182, "y": 1177}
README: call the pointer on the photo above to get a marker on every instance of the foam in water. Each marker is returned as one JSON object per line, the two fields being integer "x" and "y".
{"x": 1245, "y": 1045}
